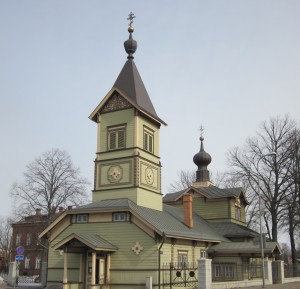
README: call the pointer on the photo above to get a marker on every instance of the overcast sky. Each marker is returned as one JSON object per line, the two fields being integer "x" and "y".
{"x": 228, "y": 65}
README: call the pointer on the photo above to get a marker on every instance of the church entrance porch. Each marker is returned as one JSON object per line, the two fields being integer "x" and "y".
{"x": 86, "y": 261}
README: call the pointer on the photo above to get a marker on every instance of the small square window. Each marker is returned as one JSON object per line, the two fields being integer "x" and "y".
{"x": 119, "y": 217}
{"x": 82, "y": 218}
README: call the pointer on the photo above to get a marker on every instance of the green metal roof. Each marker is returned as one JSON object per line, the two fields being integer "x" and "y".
{"x": 228, "y": 229}
{"x": 168, "y": 222}
{"x": 243, "y": 247}
{"x": 91, "y": 240}
{"x": 211, "y": 192}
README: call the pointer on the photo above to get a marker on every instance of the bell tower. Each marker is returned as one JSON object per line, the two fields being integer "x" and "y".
{"x": 127, "y": 163}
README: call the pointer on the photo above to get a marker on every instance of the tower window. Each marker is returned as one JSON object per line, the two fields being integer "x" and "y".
{"x": 116, "y": 137}
{"x": 148, "y": 140}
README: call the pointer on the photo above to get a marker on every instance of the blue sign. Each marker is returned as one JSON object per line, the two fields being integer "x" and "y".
{"x": 19, "y": 257}
{"x": 20, "y": 250}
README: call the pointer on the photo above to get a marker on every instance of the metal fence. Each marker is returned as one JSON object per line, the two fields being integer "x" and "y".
{"x": 180, "y": 275}
{"x": 236, "y": 272}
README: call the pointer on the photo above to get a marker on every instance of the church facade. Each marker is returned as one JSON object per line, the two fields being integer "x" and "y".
{"x": 130, "y": 233}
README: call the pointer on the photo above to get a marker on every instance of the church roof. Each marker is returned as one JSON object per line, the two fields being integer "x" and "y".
{"x": 168, "y": 222}
{"x": 244, "y": 247}
{"x": 211, "y": 192}
{"x": 230, "y": 230}
{"x": 91, "y": 240}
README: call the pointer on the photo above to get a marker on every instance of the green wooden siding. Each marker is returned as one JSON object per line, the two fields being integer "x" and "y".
{"x": 117, "y": 234}
{"x": 115, "y": 118}
{"x": 210, "y": 209}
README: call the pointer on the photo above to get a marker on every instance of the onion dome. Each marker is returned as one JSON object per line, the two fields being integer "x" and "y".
{"x": 202, "y": 159}
{"x": 130, "y": 44}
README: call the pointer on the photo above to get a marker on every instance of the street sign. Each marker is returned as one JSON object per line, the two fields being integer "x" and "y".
{"x": 19, "y": 257}
{"x": 20, "y": 250}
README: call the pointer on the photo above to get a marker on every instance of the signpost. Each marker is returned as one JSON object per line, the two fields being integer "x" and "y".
{"x": 19, "y": 257}
{"x": 20, "y": 250}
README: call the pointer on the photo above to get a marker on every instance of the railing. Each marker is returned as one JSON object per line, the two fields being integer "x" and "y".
{"x": 235, "y": 271}
{"x": 179, "y": 275}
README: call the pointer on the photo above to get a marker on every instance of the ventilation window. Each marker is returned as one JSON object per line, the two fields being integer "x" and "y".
{"x": 119, "y": 217}
{"x": 82, "y": 218}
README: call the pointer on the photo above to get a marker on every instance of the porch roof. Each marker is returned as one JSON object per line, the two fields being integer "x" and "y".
{"x": 244, "y": 247}
{"x": 93, "y": 241}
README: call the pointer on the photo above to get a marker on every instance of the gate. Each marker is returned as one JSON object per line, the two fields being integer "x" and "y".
{"x": 180, "y": 275}
{"x": 275, "y": 272}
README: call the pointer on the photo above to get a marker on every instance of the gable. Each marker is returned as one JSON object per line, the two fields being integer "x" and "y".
{"x": 114, "y": 103}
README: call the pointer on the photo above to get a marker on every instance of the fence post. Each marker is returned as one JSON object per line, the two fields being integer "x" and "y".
{"x": 43, "y": 272}
{"x": 204, "y": 274}
{"x": 12, "y": 274}
{"x": 280, "y": 271}
{"x": 149, "y": 282}
{"x": 268, "y": 271}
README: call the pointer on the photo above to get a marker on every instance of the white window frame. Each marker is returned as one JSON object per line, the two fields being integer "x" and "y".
{"x": 18, "y": 239}
{"x": 28, "y": 239}
{"x": 182, "y": 259}
{"x": 38, "y": 262}
{"x": 82, "y": 218}
{"x": 27, "y": 262}
{"x": 119, "y": 217}
{"x": 148, "y": 140}
{"x": 117, "y": 130}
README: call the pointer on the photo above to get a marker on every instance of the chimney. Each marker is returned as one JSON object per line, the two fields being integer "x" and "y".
{"x": 61, "y": 209}
{"x": 188, "y": 210}
{"x": 38, "y": 212}
{"x": 70, "y": 207}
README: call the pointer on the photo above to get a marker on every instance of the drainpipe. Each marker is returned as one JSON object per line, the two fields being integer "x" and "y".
{"x": 159, "y": 251}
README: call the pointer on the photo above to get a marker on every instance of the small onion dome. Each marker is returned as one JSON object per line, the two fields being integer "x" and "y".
{"x": 130, "y": 44}
{"x": 202, "y": 158}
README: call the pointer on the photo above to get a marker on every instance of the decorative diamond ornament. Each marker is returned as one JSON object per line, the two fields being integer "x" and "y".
{"x": 137, "y": 248}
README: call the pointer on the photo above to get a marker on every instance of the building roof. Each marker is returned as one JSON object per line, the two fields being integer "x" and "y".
{"x": 91, "y": 240}
{"x": 168, "y": 222}
{"x": 210, "y": 192}
{"x": 229, "y": 230}
{"x": 243, "y": 247}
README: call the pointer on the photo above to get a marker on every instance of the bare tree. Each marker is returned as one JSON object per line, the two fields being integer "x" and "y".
{"x": 5, "y": 242}
{"x": 185, "y": 180}
{"x": 50, "y": 181}
{"x": 268, "y": 176}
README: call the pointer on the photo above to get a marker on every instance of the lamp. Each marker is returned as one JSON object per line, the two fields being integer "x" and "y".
{"x": 260, "y": 224}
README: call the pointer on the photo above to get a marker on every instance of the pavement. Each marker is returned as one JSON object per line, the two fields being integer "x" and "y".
{"x": 292, "y": 285}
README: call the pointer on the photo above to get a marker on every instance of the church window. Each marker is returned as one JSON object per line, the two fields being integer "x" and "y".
{"x": 182, "y": 259}
{"x": 117, "y": 137}
{"x": 119, "y": 217}
{"x": 238, "y": 213}
{"x": 82, "y": 218}
{"x": 148, "y": 140}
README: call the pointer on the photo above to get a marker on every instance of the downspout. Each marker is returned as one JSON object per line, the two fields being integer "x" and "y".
{"x": 159, "y": 251}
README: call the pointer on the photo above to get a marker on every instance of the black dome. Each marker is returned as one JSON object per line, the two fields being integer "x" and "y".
{"x": 130, "y": 44}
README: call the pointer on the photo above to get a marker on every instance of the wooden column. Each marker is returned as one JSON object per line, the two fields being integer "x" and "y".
{"x": 65, "y": 279}
{"x": 80, "y": 268}
{"x": 93, "y": 279}
{"x": 108, "y": 269}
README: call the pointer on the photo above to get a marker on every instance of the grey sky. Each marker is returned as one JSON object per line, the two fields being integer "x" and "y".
{"x": 228, "y": 65}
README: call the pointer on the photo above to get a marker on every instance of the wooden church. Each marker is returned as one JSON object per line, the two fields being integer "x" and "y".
{"x": 130, "y": 233}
